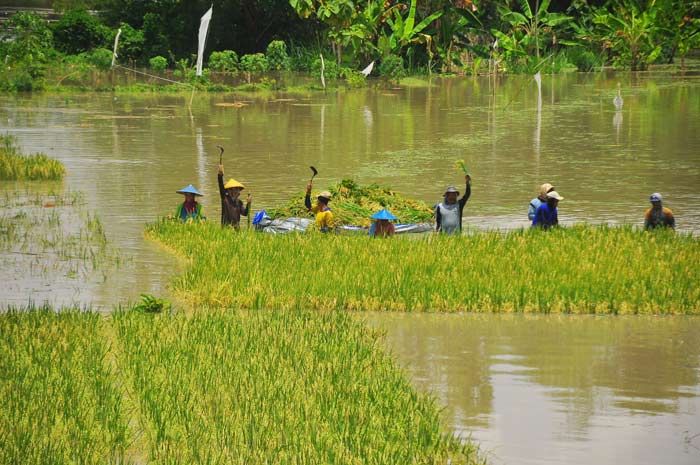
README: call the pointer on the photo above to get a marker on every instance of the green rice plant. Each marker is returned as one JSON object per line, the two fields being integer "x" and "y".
{"x": 462, "y": 166}
{"x": 355, "y": 204}
{"x": 152, "y": 304}
{"x": 59, "y": 396}
{"x": 583, "y": 269}
{"x": 283, "y": 387}
{"x": 16, "y": 166}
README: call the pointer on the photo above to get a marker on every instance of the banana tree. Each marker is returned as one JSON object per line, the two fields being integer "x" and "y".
{"x": 406, "y": 34}
{"x": 338, "y": 15}
{"x": 534, "y": 23}
{"x": 365, "y": 31}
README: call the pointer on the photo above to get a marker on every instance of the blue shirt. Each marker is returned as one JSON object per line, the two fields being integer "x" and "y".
{"x": 545, "y": 216}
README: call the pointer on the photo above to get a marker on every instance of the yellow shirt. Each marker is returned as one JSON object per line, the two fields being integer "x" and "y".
{"x": 324, "y": 219}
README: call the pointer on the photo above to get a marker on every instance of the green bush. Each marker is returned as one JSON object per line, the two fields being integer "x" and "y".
{"x": 392, "y": 68}
{"x": 331, "y": 69}
{"x": 353, "y": 78}
{"x": 277, "y": 56}
{"x": 25, "y": 37}
{"x": 158, "y": 63}
{"x": 224, "y": 61}
{"x": 584, "y": 60}
{"x": 100, "y": 58}
{"x": 131, "y": 44}
{"x": 254, "y": 63}
{"x": 78, "y": 31}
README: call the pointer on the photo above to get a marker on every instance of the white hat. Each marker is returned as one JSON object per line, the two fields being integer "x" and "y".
{"x": 655, "y": 197}
{"x": 554, "y": 195}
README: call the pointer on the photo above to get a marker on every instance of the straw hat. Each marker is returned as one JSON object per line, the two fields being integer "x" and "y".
{"x": 231, "y": 183}
{"x": 554, "y": 195}
{"x": 546, "y": 188}
{"x": 189, "y": 189}
{"x": 325, "y": 194}
{"x": 451, "y": 189}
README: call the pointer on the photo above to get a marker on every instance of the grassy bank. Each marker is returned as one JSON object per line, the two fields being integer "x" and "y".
{"x": 579, "y": 270}
{"x": 219, "y": 386}
{"x": 15, "y": 166}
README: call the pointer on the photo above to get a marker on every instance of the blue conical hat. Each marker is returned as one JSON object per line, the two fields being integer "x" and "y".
{"x": 383, "y": 214}
{"x": 189, "y": 189}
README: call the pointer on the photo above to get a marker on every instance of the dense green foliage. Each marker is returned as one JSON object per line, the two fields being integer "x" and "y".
{"x": 578, "y": 270}
{"x": 217, "y": 387}
{"x": 354, "y": 204}
{"x": 15, "y": 166}
{"x": 463, "y": 36}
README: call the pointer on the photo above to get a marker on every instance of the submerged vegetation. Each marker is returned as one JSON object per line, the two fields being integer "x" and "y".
{"x": 570, "y": 270}
{"x": 216, "y": 387}
{"x": 15, "y": 166}
{"x": 53, "y": 235}
{"x": 353, "y": 204}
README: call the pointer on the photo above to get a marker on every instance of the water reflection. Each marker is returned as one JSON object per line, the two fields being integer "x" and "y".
{"x": 129, "y": 153}
{"x": 539, "y": 389}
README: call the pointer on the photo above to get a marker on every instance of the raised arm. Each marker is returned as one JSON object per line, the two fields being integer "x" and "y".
{"x": 467, "y": 191}
{"x": 220, "y": 179}
{"x": 307, "y": 198}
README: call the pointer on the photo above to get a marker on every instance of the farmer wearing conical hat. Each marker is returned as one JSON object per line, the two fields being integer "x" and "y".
{"x": 231, "y": 206}
{"x": 658, "y": 215}
{"x": 448, "y": 213}
{"x": 541, "y": 198}
{"x": 190, "y": 209}
{"x": 382, "y": 226}
{"x": 547, "y": 215}
{"x": 323, "y": 213}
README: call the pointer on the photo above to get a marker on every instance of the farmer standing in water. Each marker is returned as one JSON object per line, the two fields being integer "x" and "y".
{"x": 448, "y": 213}
{"x": 231, "y": 206}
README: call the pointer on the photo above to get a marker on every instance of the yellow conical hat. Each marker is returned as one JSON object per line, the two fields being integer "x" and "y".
{"x": 231, "y": 183}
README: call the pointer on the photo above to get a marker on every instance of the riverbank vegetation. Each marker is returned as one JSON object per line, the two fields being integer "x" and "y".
{"x": 16, "y": 166}
{"x": 259, "y": 42}
{"x": 215, "y": 387}
{"x": 582, "y": 269}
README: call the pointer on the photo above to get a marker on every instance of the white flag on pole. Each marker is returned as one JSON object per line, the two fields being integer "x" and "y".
{"x": 116, "y": 44}
{"x": 203, "y": 30}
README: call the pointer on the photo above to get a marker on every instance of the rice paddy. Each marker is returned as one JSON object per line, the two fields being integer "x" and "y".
{"x": 212, "y": 387}
{"x": 584, "y": 269}
{"x": 15, "y": 166}
{"x": 52, "y": 235}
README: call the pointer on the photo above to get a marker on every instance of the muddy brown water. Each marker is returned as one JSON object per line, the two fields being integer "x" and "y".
{"x": 530, "y": 390}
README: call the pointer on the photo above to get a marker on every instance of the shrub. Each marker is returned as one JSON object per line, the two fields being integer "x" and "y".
{"x": 392, "y": 68}
{"x": 331, "y": 69}
{"x": 254, "y": 63}
{"x": 353, "y": 78}
{"x": 100, "y": 58}
{"x": 131, "y": 43}
{"x": 584, "y": 60}
{"x": 277, "y": 56}
{"x": 78, "y": 31}
{"x": 158, "y": 63}
{"x": 225, "y": 61}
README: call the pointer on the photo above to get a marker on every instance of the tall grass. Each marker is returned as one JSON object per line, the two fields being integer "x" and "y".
{"x": 59, "y": 402}
{"x": 215, "y": 387}
{"x": 15, "y": 166}
{"x": 277, "y": 387}
{"x": 579, "y": 270}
